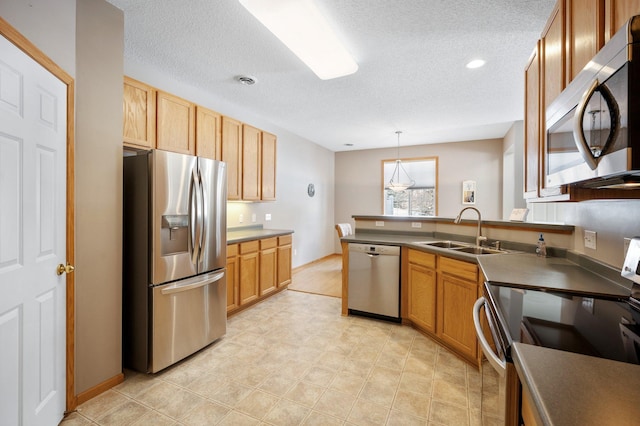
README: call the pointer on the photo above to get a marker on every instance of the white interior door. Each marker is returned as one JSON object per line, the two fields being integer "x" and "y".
{"x": 32, "y": 240}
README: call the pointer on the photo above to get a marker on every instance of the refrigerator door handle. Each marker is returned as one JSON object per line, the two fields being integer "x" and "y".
{"x": 203, "y": 218}
{"x": 194, "y": 216}
{"x": 191, "y": 284}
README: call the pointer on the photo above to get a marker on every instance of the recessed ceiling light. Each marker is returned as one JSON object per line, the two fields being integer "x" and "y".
{"x": 246, "y": 79}
{"x": 476, "y": 63}
{"x": 302, "y": 28}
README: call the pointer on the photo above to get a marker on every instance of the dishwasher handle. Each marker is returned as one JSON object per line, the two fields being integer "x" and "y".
{"x": 498, "y": 364}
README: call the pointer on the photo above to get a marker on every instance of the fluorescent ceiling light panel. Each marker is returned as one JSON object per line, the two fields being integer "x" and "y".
{"x": 301, "y": 27}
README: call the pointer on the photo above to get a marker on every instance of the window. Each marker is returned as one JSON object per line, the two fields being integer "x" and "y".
{"x": 418, "y": 200}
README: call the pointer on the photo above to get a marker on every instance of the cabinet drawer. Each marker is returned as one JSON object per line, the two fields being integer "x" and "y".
{"x": 249, "y": 247}
{"x": 232, "y": 250}
{"x": 284, "y": 240}
{"x": 468, "y": 271}
{"x": 422, "y": 258}
{"x": 268, "y": 243}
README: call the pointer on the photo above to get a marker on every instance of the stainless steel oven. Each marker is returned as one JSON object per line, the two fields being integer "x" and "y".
{"x": 602, "y": 327}
{"x": 592, "y": 130}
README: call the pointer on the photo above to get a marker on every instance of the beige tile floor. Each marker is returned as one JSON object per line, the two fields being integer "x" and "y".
{"x": 294, "y": 360}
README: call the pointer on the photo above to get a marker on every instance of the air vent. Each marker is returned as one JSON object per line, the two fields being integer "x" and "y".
{"x": 246, "y": 80}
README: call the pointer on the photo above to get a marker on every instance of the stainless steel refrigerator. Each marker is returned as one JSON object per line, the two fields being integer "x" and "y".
{"x": 174, "y": 257}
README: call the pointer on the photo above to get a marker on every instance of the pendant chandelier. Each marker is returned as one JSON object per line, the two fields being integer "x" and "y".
{"x": 400, "y": 179}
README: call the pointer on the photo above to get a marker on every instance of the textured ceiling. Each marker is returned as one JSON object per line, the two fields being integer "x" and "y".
{"x": 411, "y": 56}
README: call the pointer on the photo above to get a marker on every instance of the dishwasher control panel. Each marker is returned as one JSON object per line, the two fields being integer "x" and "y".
{"x": 374, "y": 249}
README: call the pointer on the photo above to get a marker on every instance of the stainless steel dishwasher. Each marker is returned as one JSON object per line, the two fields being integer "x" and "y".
{"x": 374, "y": 281}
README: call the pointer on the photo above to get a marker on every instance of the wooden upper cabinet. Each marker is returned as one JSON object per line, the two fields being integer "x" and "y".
{"x": 176, "y": 124}
{"x": 251, "y": 154}
{"x": 553, "y": 56}
{"x": 585, "y": 33}
{"x": 139, "y": 114}
{"x": 532, "y": 125}
{"x": 617, "y": 12}
{"x": 208, "y": 133}
{"x": 231, "y": 153}
{"x": 268, "y": 166}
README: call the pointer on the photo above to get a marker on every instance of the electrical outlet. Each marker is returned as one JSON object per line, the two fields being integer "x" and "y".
{"x": 267, "y": 216}
{"x": 295, "y": 252}
{"x": 416, "y": 224}
{"x": 590, "y": 239}
{"x": 379, "y": 223}
{"x": 587, "y": 304}
{"x": 240, "y": 218}
{"x": 253, "y": 218}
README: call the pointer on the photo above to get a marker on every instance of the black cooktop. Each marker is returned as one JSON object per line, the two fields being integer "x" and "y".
{"x": 602, "y": 327}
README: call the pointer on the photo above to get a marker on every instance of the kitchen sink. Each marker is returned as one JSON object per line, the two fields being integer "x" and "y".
{"x": 445, "y": 244}
{"x": 478, "y": 250}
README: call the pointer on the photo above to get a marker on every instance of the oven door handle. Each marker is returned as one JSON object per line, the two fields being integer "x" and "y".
{"x": 498, "y": 364}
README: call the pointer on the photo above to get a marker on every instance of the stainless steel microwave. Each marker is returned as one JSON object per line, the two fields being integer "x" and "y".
{"x": 592, "y": 133}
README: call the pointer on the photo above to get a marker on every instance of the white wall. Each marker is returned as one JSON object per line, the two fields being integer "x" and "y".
{"x": 359, "y": 180}
{"x": 512, "y": 175}
{"x": 612, "y": 220}
{"x": 299, "y": 163}
{"x": 99, "y": 62}
{"x": 50, "y": 25}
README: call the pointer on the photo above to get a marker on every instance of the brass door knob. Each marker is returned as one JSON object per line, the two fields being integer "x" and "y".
{"x": 61, "y": 269}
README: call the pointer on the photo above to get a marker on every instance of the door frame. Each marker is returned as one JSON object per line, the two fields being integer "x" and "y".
{"x": 11, "y": 34}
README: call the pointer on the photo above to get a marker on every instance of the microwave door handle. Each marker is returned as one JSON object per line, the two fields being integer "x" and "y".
{"x": 498, "y": 364}
{"x": 578, "y": 132}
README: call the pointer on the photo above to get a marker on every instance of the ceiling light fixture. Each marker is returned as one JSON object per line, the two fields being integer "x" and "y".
{"x": 476, "y": 63}
{"x": 397, "y": 183}
{"x": 302, "y": 28}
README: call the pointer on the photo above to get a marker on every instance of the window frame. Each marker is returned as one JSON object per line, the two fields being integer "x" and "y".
{"x": 410, "y": 160}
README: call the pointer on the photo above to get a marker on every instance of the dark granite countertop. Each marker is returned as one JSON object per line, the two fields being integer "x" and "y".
{"x": 573, "y": 389}
{"x": 414, "y": 240}
{"x": 250, "y": 233}
{"x": 529, "y": 271}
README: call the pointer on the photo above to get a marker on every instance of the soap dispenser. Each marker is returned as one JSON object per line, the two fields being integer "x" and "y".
{"x": 541, "y": 249}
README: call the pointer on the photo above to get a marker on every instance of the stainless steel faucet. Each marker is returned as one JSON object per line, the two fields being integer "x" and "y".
{"x": 479, "y": 237}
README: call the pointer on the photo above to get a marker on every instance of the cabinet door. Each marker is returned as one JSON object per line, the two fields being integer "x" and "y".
{"x": 532, "y": 126}
{"x": 231, "y": 154}
{"x": 268, "y": 167}
{"x": 208, "y": 133}
{"x": 422, "y": 296}
{"x": 617, "y": 12}
{"x": 139, "y": 114}
{"x": 233, "y": 279}
{"x": 284, "y": 260}
{"x": 176, "y": 124}
{"x": 249, "y": 271}
{"x": 456, "y": 297}
{"x": 553, "y": 55}
{"x": 268, "y": 270}
{"x": 585, "y": 33}
{"x": 251, "y": 176}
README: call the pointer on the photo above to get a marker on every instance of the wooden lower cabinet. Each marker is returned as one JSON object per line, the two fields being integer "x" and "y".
{"x": 268, "y": 265}
{"x": 233, "y": 278}
{"x": 421, "y": 276}
{"x": 284, "y": 260}
{"x": 249, "y": 271}
{"x": 257, "y": 269}
{"x": 441, "y": 293}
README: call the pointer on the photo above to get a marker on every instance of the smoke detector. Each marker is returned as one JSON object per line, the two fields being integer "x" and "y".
{"x": 247, "y": 80}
